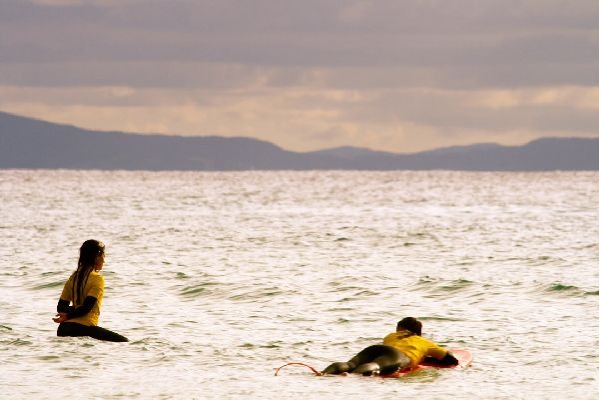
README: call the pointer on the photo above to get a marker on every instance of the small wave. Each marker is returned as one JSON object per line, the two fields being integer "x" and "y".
{"x": 49, "y": 358}
{"x": 340, "y": 309}
{"x": 558, "y": 287}
{"x": 425, "y": 280}
{"x": 440, "y": 285}
{"x": 273, "y": 345}
{"x": 153, "y": 343}
{"x": 49, "y": 285}
{"x": 344, "y": 285}
{"x": 360, "y": 294}
{"x": 545, "y": 260}
{"x": 563, "y": 289}
{"x": 455, "y": 285}
{"x": 52, "y": 273}
{"x": 197, "y": 290}
{"x": 432, "y": 318}
{"x": 254, "y": 295}
{"x": 342, "y": 239}
{"x": 20, "y": 342}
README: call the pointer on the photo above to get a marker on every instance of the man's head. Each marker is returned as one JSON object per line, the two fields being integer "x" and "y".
{"x": 411, "y": 324}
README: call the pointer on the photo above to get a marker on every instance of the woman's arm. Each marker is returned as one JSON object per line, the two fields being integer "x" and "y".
{"x": 66, "y": 312}
{"x": 63, "y": 306}
{"x": 83, "y": 309}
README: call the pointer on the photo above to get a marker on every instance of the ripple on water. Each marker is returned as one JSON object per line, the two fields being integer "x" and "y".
{"x": 433, "y": 287}
{"x": 49, "y": 285}
{"x": 561, "y": 290}
{"x": 255, "y": 295}
{"x": 17, "y": 342}
{"x": 199, "y": 290}
{"x": 250, "y": 270}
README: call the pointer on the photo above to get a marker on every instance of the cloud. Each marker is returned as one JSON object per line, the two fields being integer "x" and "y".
{"x": 389, "y": 74}
{"x": 310, "y": 33}
{"x": 303, "y": 118}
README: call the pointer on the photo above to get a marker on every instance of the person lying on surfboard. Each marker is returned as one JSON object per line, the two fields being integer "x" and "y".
{"x": 401, "y": 350}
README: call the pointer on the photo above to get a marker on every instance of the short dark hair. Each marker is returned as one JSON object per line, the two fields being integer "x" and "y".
{"x": 411, "y": 324}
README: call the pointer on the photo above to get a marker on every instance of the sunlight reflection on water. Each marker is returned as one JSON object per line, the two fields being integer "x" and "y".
{"x": 219, "y": 278}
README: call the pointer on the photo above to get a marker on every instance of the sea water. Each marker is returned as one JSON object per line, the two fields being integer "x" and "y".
{"x": 220, "y": 278}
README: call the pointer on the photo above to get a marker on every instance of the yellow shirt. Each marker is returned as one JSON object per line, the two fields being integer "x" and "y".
{"x": 414, "y": 346}
{"x": 95, "y": 288}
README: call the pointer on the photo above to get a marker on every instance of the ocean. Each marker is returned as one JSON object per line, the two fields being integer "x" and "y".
{"x": 219, "y": 278}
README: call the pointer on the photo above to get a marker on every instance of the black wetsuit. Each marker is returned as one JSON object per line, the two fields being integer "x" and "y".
{"x": 388, "y": 360}
{"x": 381, "y": 359}
{"x": 75, "y": 329}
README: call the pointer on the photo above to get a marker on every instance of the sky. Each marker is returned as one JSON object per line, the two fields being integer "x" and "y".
{"x": 392, "y": 75}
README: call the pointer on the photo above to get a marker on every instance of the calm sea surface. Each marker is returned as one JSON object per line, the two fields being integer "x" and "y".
{"x": 219, "y": 278}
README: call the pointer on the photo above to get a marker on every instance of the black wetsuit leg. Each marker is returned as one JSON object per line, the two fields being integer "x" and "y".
{"x": 96, "y": 332}
{"x": 104, "y": 334}
{"x": 337, "y": 368}
{"x": 379, "y": 359}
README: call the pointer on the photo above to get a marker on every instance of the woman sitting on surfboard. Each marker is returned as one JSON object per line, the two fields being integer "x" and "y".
{"x": 401, "y": 350}
{"x": 84, "y": 289}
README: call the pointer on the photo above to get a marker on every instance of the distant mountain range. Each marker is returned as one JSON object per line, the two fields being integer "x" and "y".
{"x": 30, "y": 143}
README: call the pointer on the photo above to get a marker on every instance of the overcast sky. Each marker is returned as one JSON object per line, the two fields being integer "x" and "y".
{"x": 394, "y": 75}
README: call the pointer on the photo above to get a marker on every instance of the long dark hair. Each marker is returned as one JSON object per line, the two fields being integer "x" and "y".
{"x": 88, "y": 254}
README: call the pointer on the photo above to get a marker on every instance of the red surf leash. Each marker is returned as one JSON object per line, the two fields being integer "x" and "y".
{"x": 297, "y": 363}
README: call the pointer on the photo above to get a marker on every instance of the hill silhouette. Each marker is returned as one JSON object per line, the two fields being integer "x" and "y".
{"x": 28, "y": 143}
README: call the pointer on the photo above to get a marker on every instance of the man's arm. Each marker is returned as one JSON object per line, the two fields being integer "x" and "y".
{"x": 448, "y": 360}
